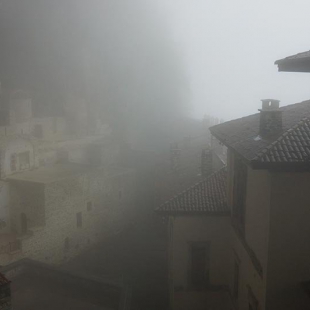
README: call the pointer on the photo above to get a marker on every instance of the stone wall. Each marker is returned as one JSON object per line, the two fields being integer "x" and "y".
{"x": 96, "y": 197}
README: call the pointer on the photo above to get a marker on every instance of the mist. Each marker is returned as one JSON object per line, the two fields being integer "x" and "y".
{"x": 141, "y": 165}
{"x": 231, "y": 48}
{"x": 118, "y": 56}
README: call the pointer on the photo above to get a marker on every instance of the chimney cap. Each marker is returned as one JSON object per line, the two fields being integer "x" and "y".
{"x": 270, "y": 105}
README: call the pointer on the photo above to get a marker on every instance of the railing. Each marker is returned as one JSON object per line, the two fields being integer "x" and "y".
{"x": 13, "y": 246}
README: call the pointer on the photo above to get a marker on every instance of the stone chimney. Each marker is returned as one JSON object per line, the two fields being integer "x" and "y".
{"x": 270, "y": 118}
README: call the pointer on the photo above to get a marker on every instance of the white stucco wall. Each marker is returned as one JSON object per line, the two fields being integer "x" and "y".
{"x": 289, "y": 246}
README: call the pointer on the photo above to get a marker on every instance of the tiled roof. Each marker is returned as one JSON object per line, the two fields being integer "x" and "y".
{"x": 293, "y": 146}
{"x": 206, "y": 197}
{"x": 294, "y": 57}
{"x": 290, "y": 146}
{"x": 296, "y": 63}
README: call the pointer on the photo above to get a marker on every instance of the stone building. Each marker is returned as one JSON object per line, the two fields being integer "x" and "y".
{"x": 60, "y": 190}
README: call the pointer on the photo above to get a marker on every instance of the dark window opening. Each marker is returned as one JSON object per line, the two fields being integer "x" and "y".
{"x": 79, "y": 219}
{"x": 13, "y": 162}
{"x": 67, "y": 244}
{"x": 199, "y": 265}
{"x": 24, "y": 223}
{"x": 239, "y": 194}
{"x": 89, "y": 206}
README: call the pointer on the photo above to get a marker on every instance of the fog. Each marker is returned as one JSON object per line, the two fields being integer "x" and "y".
{"x": 122, "y": 186}
{"x": 119, "y": 56}
{"x": 231, "y": 47}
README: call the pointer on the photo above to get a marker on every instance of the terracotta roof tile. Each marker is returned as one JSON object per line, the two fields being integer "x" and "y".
{"x": 207, "y": 196}
{"x": 290, "y": 141}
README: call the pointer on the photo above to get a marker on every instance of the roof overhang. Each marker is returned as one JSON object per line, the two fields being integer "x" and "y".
{"x": 296, "y": 63}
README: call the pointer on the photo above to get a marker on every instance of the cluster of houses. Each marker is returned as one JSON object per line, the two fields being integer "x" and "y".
{"x": 238, "y": 239}
{"x": 62, "y": 186}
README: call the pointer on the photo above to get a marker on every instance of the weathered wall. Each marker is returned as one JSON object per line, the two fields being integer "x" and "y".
{"x": 257, "y": 218}
{"x": 27, "y": 198}
{"x": 93, "y": 195}
{"x": 248, "y": 275}
{"x": 15, "y": 147}
{"x": 251, "y": 249}
{"x": 213, "y": 229}
{"x": 289, "y": 246}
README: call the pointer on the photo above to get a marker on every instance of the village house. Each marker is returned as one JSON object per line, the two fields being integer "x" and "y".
{"x": 61, "y": 185}
{"x": 257, "y": 250}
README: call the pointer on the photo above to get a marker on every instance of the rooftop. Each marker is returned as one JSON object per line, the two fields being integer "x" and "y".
{"x": 296, "y": 63}
{"x": 206, "y": 197}
{"x": 291, "y": 146}
{"x": 51, "y": 173}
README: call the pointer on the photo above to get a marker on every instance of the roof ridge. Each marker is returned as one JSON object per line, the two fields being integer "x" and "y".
{"x": 285, "y": 107}
{"x": 280, "y": 138}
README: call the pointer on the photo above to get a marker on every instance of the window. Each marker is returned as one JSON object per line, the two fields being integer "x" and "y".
{"x": 13, "y": 161}
{"x": 239, "y": 194}
{"x": 54, "y": 124}
{"x": 236, "y": 280}
{"x": 89, "y": 206}
{"x": 24, "y": 160}
{"x": 67, "y": 244}
{"x": 199, "y": 264}
{"x": 79, "y": 219}
{"x": 23, "y": 223}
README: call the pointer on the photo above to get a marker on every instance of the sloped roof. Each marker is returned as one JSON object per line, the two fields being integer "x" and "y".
{"x": 206, "y": 197}
{"x": 296, "y": 63}
{"x": 242, "y": 135}
{"x": 292, "y": 146}
{"x": 296, "y": 56}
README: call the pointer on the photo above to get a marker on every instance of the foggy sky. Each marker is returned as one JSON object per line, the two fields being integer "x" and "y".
{"x": 230, "y": 48}
{"x": 226, "y": 49}
{"x": 118, "y": 56}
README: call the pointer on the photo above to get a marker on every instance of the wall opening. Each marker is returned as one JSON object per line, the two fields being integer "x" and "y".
{"x": 199, "y": 265}
{"x": 23, "y": 223}
{"x": 67, "y": 244}
{"x": 13, "y": 162}
{"x": 79, "y": 219}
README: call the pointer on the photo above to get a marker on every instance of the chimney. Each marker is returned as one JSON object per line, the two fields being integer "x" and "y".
{"x": 270, "y": 118}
